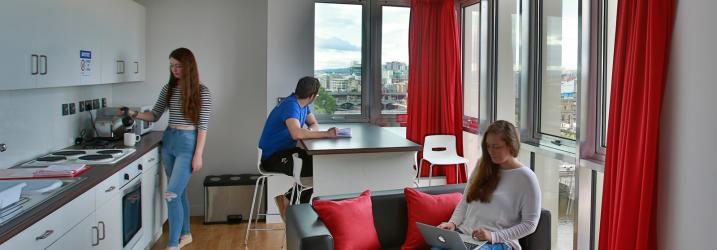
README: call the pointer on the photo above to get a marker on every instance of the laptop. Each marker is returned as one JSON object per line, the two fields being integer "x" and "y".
{"x": 447, "y": 239}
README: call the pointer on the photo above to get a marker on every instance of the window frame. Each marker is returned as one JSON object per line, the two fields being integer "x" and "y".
{"x": 536, "y": 136}
{"x": 365, "y": 71}
{"x": 376, "y": 25}
{"x": 470, "y": 124}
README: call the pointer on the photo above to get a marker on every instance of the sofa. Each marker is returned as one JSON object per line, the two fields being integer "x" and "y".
{"x": 304, "y": 229}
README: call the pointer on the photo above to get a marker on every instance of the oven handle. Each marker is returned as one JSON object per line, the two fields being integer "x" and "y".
{"x": 132, "y": 185}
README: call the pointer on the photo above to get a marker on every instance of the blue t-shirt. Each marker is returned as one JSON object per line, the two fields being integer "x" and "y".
{"x": 276, "y": 136}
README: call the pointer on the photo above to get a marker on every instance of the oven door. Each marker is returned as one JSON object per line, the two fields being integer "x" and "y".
{"x": 131, "y": 213}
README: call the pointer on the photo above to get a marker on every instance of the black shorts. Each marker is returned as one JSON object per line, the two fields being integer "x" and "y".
{"x": 283, "y": 162}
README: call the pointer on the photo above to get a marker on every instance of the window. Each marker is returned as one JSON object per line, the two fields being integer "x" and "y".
{"x": 338, "y": 53}
{"x": 471, "y": 44}
{"x": 362, "y": 61}
{"x": 608, "y": 21}
{"x": 394, "y": 60}
{"x": 559, "y": 39}
{"x": 509, "y": 61}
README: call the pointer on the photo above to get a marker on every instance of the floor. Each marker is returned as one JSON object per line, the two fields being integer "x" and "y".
{"x": 226, "y": 236}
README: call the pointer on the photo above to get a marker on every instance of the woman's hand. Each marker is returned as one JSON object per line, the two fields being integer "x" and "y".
{"x": 196, "y": 163}
{"x": 482, "y": 234}
{"x": 447, "y": 226}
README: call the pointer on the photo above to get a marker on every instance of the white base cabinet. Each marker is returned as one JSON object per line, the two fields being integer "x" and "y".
{"x": 93, "y": 220}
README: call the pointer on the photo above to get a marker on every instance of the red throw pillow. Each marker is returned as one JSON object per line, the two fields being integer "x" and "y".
{"x": 427, "y": 209}
{"x": 350, "y": 222}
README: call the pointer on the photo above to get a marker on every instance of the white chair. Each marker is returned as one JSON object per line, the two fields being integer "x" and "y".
{"x": 260, "y": 183}
{"x": 449, "y": 156}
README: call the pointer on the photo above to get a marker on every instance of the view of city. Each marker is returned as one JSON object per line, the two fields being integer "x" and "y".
{"x": 338, "y": 61}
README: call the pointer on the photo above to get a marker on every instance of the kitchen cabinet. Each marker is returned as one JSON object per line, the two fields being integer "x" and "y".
{"x": 51, "y": 228}
{"x": 108, "y": 220}
{"x": 84, "y": 236}
{"x": 94, "y": 219}
{"x": 43, "y": 39}
{"x": 123, "y": 41}
{"x": 152, "y": 201}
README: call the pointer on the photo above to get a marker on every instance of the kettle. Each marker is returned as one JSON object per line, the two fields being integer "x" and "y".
{"x": 127, "y": 120}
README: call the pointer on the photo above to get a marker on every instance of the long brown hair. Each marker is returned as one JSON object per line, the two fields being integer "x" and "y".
{"x": 482, "y": 186}
{"x": 190, "y": 88}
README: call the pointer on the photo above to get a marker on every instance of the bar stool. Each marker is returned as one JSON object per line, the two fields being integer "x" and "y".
{"x": 302, "y": 183}
{"x": 449, "y": 156}
{"x": 260, "y": 182}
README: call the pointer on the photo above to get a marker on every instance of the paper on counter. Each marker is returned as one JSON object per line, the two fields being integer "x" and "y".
{"x": 343, "y": 132}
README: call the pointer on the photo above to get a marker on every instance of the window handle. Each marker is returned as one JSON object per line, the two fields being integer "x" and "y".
{"x": 557, "y": 142}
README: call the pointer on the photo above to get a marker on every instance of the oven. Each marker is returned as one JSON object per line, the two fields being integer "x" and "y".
{"x": 131, "y": 211}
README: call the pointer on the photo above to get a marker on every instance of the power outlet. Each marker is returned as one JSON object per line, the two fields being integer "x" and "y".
{"x": 72, "y": 108}
{"x": 96, "y": 104}
{"x": 104, "y": 102}
{"x": 65, "y": 109}
{"x": 82, "y": 106}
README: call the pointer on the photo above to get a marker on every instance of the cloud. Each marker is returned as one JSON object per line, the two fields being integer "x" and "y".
{"x": 335, "y": 43}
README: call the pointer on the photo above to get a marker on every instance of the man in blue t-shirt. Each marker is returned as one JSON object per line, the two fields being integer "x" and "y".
{"x": 284, "y": 127}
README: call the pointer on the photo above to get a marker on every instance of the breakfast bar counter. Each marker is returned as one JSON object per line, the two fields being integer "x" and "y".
{"x": 372, "y": 158}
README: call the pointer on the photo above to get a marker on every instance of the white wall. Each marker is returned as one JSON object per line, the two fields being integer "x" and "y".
{"x": 229, "y": 40}
{"x": 31, "y": 121}
{"x": 290, "y": 49}
{"x": 686, "y": 217}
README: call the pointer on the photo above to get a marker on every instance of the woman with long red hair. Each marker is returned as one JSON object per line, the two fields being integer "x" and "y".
{"x": 189, "y": 104}
{"x": 501, "y": 204}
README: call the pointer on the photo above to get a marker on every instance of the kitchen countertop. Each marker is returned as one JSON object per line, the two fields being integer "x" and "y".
{"x": 95, "y": 175}
{"x": 365, "y": 138}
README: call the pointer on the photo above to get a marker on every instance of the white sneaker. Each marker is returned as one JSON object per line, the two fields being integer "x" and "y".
{"x": 185, "y": 240}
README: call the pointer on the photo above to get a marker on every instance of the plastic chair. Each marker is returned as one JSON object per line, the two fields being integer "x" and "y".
{"x": 449, "y": 156}
{"x": 260, "y": 182}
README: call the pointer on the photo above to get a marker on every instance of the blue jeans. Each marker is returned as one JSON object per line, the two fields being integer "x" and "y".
{"x": 487, "y": 246}
{"x": 177, "y": 153}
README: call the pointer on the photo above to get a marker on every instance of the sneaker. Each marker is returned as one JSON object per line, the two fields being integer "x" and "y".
{"x": 185, "y": 240}
{"x": 282, "y": 203}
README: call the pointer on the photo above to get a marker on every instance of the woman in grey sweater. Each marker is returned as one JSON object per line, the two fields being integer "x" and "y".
{"x": 501, "y": 204}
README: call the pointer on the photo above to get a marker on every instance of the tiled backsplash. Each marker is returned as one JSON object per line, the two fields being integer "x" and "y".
{"x": 32, "y": 124}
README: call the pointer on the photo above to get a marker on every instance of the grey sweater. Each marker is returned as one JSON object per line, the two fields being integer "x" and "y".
{"x": 512, "y": 213}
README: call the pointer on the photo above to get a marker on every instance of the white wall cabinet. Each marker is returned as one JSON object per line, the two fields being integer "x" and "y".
{"x": 42, "y": 40}
{"x": 123, "y": 41}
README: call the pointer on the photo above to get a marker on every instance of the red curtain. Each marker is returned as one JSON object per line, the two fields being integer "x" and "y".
{"x": 435, "y": 100}
{"x": 642, "y": 44}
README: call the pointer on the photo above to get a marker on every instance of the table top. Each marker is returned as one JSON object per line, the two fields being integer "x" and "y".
{"x": 365, "y": 138}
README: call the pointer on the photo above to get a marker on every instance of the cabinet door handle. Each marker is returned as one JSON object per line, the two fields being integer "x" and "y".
{"x": 44, "y": 72}
{"x": 136, "y": 64}
{"x": 120, "y": 67}
{"x": 45, "y": 235}
{"x": 103, "y": 229}
{"x": 97, "y": 236}
{"x": 34, "y": 61}
{"x": 110, "y": 189}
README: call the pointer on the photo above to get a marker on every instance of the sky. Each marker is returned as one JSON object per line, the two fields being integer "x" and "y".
{"x": 337, "y": 37}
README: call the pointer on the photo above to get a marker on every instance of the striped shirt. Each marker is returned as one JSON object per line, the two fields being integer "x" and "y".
{"x": 176, "y": 116}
